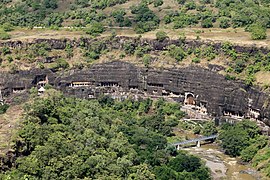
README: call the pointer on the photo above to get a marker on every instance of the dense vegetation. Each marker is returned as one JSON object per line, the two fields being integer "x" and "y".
{"x": 243, "y": 139}
{"x": 68, "y": 138}
{"x": 146, "y": 15}
{"x": 237, "y": 64}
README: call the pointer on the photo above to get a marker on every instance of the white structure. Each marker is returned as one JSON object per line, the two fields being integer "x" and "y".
{"x": 80, "y": 84}
{"x": 1, "y": 98}
{"x": 41, "y": 91}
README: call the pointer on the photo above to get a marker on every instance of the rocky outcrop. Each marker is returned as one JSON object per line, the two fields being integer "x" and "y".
{"x": 193, "y": 85}
{"x": 120, "y": 41}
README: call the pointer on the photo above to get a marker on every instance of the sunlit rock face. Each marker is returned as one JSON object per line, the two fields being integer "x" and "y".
{"x": 193, "y": 85}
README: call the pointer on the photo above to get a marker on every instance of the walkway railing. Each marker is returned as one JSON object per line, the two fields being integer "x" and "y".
{"x": 196, "y": 140}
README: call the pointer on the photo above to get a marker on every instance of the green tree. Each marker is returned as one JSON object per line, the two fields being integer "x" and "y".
{"x": 248, "y": 153}
{"x": 72, "y": 138}
{"x": 209, "y": 129}
{"x": 239, "y": 137}
{"x": 184, "y": 162}
{"x": 234, "y": 140}
{"x": 165, "y": 173}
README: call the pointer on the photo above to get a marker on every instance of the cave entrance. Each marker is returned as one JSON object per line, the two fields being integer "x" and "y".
{"x": 189, "y": 99}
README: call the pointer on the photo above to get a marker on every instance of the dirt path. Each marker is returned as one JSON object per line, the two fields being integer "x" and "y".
{"x": 8, "y": 124}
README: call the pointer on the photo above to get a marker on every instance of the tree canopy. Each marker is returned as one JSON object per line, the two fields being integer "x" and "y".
{"x": 68, "y": 138}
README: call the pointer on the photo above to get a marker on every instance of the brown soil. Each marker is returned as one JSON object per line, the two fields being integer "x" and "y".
{"x": 9, "y": 122}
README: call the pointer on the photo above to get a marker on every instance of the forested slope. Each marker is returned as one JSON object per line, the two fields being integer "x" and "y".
{"x": 67, "y": 138}
{"x": 143, "y": 16}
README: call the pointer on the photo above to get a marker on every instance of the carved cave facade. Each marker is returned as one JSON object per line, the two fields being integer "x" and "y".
{"x": 193, "y": 86}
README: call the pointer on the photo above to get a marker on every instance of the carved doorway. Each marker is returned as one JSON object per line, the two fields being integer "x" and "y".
{"x": 189, "y": 99}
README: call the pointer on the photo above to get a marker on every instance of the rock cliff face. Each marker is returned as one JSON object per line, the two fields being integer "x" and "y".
{"x": 119, "y": 42}
{"x": 194, "y": 86}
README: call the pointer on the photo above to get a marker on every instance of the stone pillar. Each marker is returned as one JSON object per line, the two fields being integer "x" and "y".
{"x": 198, "y": 143}
{"x": 1, "y": 98}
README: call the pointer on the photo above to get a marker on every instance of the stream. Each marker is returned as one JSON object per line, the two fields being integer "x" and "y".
{"x": 222, "y": 166}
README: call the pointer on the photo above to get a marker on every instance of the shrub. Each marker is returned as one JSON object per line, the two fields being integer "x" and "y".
{"x": 158, "y": 3}
{"x": 161, "y": 35}
{"x": 3, "y": 108}
{"x": 190, "y": 5}
{"x": 250, "y": 79}
{"x": 196, "y": 60}
{"x": 7, "y": 27}
{"x": 258, "y": 32}
{"x": 229, "y": 77}
{"x": 177, "y": 52}
{"x": 207, "y": 23}
{"x": 224, "y": 22}
{"x": 95, "y": 29}
{"x": 60, "y": 64}
{"x": 5, "y": 50}
{"x": 129, "y": 48}
{"x": 4, "y": 35}
{"x": 197, "y": 130}
{"x": 146, "y": 60}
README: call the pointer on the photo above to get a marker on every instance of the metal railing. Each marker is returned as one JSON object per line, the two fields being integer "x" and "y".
{"x": 196, "y": 140}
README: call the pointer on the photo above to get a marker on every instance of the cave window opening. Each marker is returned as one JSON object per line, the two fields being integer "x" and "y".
{"x": 189, "y": 99}
{"x": 165, "y": 93}
{"x": 18, "y": 90}
{"x": 109, "y": 84}
{"x": 133, "y": 87}
{"x": 155, "y": 85}
{"x": 79, "y": 84}
{"x": 42, "y": 81}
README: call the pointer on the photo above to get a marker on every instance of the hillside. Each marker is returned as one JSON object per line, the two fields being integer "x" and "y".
{"x": 144, "y": 16}
{"x": 96, "y": 89}
{"x": 242, "y": 23}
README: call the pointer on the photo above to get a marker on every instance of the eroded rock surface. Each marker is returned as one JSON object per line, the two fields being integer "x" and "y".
{"x": 192, "y": 85}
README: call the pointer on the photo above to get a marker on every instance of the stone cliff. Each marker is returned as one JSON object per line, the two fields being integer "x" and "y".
{"x": 193, "y": 86}
{"x": 119, "y": 41}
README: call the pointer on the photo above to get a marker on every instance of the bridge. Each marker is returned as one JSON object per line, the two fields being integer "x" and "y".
{"x": 197, "y": 140}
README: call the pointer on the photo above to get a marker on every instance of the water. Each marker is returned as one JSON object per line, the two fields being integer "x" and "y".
{"x": 222, "y": 166}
